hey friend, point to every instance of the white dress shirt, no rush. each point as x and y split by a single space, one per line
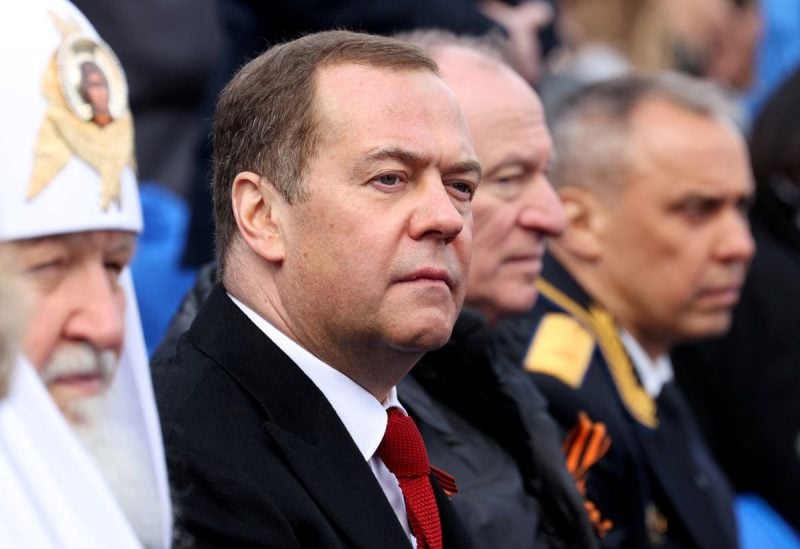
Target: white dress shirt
653 374
363 415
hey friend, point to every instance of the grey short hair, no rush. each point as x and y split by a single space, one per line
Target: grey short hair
591 127
492 44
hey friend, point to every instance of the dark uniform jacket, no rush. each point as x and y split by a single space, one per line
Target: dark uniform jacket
745 386
484 423
257 456
657 483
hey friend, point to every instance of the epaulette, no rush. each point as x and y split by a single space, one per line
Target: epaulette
561 348
567 355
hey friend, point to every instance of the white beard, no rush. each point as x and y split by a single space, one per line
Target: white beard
118 448
122 458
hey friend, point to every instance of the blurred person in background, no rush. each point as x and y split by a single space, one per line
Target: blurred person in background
655 181
745 385
716 39
69 213
483 421
53 494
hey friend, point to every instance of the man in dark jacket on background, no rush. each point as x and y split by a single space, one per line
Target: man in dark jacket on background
655 181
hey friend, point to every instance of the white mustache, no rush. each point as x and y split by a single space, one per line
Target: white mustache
77 359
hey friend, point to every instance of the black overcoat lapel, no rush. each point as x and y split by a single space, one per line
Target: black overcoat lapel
302 424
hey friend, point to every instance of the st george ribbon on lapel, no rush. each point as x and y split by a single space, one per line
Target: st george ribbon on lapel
403 452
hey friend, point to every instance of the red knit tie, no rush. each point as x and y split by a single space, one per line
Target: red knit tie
404 454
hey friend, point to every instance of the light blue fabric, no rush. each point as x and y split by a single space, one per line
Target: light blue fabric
760 527
160 280
778 51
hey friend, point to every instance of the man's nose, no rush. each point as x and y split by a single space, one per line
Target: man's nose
98 314
737 244
542 210
436 212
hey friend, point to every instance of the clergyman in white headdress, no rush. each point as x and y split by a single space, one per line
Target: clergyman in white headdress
70 215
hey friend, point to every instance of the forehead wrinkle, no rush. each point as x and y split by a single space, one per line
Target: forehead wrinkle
398 154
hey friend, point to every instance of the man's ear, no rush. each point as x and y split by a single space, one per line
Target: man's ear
256 207
586 218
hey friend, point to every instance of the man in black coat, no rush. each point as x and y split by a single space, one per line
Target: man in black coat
343 179
655 179
481 419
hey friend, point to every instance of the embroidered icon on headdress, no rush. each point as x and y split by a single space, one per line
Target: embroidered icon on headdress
87 114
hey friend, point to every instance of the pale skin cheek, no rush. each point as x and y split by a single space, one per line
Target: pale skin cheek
35 342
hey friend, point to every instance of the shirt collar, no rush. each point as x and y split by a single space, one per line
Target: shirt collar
362 414
653 374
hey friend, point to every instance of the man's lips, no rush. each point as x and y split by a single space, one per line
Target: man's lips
727 296
430 274
523 258
86 384
526 263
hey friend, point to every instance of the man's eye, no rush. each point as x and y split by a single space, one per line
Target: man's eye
511 179
464 189
44 266
388 179
114 269
700 209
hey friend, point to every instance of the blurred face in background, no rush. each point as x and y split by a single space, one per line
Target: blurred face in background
76 330
515 209
675 242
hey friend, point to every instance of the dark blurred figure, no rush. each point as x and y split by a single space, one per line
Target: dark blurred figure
745 386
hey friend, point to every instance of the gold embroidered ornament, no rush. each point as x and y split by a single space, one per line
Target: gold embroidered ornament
87 115
600 323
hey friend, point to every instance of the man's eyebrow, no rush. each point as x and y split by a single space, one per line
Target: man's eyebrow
466 166
518 160
412 158
396 153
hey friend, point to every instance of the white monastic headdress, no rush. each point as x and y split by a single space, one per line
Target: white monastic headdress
62 172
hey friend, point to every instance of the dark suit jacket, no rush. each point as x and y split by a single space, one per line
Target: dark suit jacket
484 422
257 456
649 473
